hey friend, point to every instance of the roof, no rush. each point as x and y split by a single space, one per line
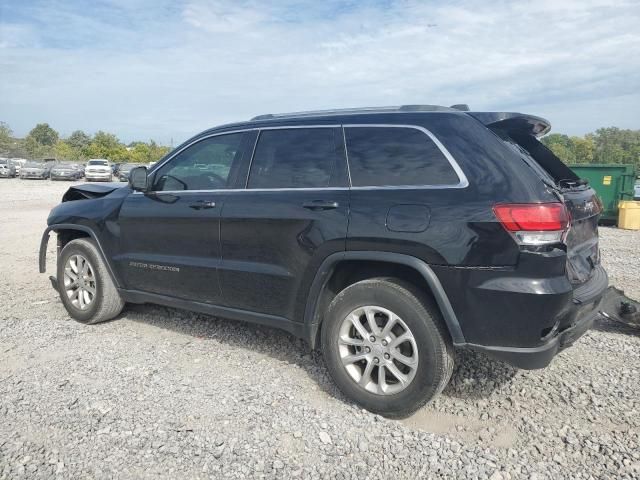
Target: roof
361 110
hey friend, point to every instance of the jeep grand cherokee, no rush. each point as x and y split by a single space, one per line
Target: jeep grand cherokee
386 237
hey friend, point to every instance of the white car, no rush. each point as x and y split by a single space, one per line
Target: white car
636 191
18 163
98 169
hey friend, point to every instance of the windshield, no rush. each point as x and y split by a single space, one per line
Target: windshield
33 164
102 163
128 166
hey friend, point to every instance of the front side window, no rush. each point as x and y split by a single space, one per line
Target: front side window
396 156
294 158
206 165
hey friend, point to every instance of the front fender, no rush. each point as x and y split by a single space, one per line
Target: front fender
42 256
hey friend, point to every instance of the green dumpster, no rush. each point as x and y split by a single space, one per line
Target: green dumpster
612 182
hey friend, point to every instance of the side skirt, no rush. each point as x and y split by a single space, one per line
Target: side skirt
135 296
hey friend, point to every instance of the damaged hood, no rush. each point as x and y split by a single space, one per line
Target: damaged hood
90 190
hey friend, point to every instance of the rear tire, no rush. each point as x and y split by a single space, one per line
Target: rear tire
401 389
84 284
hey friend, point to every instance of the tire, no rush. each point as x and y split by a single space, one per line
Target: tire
106 302
419 314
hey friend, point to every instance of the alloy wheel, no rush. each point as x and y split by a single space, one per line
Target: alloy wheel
378 350
79 282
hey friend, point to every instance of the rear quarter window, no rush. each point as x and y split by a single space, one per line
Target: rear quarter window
396 156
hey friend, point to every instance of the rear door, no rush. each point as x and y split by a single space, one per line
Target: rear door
293 214
170 236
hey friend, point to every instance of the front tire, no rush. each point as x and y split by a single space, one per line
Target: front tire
386 346
84 283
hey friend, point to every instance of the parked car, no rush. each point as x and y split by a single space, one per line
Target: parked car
98 169
66 171
125 168
7 169
386 237
636 191
36 170
18 163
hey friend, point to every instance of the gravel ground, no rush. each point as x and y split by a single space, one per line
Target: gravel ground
166 393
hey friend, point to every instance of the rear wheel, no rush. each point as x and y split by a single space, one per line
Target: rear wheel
386 347
84 284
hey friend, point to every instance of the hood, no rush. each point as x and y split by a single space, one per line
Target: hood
90 190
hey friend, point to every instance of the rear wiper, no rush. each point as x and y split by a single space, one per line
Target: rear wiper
570 184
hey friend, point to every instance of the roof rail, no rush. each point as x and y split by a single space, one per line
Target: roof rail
349 111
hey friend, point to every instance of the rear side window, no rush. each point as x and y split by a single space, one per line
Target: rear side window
395 156
294 158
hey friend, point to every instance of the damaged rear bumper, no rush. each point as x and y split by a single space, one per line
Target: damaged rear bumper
586 307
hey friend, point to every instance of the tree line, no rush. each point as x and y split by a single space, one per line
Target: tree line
45 142
605 145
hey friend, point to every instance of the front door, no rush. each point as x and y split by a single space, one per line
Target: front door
293 214
170 235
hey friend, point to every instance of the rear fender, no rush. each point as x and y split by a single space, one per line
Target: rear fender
311 317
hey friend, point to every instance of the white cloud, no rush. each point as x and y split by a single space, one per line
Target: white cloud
164 73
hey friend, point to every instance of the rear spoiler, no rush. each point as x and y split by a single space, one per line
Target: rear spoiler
514 122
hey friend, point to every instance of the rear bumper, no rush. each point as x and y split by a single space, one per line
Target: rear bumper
539 357
36 176
571 317
63 177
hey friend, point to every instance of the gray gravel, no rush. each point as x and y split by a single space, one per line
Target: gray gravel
171 394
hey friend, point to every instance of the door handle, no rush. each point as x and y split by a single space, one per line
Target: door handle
202 205
320 205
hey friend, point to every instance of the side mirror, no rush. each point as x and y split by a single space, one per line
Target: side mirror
138 179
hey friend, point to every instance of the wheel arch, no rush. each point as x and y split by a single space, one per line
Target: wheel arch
74 231
382 263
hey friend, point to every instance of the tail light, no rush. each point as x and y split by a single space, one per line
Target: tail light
534 223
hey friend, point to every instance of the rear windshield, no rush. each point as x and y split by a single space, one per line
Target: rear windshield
103 163
535 154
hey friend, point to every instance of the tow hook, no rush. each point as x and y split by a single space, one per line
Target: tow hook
617 306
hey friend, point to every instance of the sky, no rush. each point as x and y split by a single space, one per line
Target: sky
167 69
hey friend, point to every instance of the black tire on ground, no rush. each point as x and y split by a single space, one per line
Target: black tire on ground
421 315
107 303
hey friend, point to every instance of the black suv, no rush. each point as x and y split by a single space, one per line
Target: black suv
387 237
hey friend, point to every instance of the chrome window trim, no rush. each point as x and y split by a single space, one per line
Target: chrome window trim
223 190
200 139
462 183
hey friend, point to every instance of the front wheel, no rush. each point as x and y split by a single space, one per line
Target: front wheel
386 347
84 284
